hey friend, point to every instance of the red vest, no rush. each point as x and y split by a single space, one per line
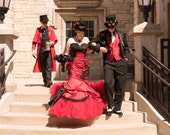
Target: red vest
114 50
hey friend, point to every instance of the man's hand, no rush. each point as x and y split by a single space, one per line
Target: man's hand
93 44
51 43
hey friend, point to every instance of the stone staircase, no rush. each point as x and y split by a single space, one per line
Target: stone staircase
28 115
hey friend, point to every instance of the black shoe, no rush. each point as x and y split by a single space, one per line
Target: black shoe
118 112
109 111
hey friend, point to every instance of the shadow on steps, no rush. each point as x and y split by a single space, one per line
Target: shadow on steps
69 123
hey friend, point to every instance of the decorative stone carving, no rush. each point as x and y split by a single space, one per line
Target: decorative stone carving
78 3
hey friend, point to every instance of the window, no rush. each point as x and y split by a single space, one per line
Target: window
89 29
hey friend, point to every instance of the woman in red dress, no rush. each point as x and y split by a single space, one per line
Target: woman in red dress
77 97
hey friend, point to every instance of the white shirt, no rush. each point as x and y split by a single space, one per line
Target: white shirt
112 37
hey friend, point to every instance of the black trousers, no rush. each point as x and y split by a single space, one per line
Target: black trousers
45 61
115 82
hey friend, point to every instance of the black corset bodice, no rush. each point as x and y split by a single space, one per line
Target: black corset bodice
78 48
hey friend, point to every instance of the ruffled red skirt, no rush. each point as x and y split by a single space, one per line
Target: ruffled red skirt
81 100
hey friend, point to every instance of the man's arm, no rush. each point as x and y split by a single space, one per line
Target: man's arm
99 43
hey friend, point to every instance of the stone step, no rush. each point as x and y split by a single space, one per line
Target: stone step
33 107
109 129
32 97
42 96
45 119
29 107
28 115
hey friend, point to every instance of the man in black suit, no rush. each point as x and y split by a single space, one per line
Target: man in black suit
113 44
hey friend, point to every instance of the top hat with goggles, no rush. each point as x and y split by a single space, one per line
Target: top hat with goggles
43 18
111 21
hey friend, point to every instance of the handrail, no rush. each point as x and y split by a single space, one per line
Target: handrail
163 80
156 60
3 75
156 82
5 63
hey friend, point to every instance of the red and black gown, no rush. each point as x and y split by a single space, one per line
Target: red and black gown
82 99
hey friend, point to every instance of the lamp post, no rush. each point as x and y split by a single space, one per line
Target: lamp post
4 7
145 6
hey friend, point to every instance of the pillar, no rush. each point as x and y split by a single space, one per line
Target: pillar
145 34
7 35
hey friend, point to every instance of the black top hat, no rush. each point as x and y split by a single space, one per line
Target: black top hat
43 18
110 21
79 26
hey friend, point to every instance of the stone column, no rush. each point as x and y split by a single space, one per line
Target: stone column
145 34
7 35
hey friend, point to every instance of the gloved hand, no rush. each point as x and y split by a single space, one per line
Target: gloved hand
34 54
63 59
95 47
59 58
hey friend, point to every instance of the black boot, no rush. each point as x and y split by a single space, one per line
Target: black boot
48 84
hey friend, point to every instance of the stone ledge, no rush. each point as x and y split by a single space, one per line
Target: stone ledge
11 87
146 29
6 32
78 3
152 114
6 100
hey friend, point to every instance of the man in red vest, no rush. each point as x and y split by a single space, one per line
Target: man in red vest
43 50
113 44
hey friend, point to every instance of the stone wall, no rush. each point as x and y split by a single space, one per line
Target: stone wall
25 21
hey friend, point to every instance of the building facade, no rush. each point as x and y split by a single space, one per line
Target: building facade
23 17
